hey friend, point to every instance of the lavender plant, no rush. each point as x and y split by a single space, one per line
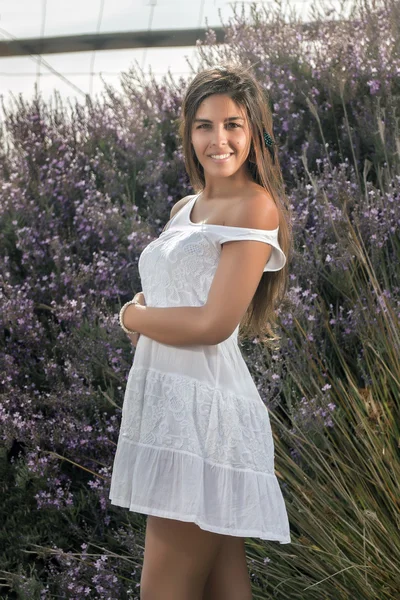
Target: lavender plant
84 188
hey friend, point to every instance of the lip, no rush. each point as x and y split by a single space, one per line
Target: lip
221 160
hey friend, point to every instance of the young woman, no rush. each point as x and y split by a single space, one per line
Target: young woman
195 451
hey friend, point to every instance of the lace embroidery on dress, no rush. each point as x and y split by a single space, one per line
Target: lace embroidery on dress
183 413
169 262
195 439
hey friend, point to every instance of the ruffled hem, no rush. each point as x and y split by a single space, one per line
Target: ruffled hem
178 485
146 510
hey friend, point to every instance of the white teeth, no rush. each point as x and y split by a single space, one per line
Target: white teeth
220 155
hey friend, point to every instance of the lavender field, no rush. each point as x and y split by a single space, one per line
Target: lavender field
84 188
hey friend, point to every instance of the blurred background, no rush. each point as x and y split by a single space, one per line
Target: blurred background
75 74
90 168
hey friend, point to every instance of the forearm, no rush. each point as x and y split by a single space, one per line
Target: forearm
176 326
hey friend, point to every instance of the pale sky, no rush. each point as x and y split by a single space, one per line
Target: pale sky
34 18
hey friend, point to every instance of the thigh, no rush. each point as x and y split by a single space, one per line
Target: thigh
229 577
178 557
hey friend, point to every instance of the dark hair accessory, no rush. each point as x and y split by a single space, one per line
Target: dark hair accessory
268 139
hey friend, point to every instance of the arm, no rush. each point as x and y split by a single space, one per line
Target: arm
236 279
176 326
240 268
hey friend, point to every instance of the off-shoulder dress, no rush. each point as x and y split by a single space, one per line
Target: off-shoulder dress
195 442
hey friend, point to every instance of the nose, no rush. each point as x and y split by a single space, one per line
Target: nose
219 136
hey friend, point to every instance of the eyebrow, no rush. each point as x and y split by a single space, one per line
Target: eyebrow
208 121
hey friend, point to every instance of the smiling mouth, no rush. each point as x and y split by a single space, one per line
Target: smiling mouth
221 159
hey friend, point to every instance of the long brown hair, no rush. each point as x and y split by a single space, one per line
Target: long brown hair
242 87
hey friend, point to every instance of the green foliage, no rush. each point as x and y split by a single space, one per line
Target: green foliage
342 486
335 384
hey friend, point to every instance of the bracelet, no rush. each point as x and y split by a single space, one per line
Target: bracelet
121 315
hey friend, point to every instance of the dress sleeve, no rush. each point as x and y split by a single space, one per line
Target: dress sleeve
277 259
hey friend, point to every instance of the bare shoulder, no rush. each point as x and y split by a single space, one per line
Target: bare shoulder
257 211
176 207
180 204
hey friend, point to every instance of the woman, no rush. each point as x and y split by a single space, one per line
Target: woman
195 451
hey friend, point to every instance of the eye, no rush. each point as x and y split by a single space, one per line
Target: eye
207 124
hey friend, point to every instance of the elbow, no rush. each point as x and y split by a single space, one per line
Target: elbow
212 338
215 331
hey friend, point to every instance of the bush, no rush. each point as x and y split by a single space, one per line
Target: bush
82 193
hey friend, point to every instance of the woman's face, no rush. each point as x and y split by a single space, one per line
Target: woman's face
220 127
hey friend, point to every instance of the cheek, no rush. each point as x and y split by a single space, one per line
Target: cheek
198 139
242 139
242 147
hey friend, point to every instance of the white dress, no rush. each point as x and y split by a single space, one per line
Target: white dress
195 441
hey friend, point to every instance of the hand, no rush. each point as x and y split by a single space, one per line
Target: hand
134 337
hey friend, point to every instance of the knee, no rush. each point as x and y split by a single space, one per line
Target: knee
155 587
149 593
144 593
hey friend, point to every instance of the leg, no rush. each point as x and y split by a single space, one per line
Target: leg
178 558
229 578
